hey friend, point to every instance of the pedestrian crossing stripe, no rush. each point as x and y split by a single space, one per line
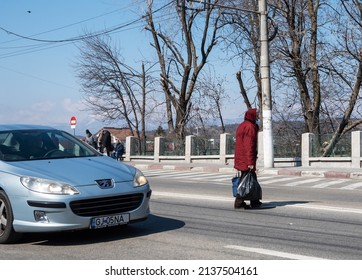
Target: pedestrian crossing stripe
283 181
330 183
273 180
352 186
301 182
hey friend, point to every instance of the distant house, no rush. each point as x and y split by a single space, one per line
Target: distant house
116 133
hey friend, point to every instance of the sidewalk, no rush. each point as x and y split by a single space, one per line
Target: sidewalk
216 167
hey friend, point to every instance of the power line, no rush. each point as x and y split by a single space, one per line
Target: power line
66 26
44 46
39 47
78 38
47 44
83 37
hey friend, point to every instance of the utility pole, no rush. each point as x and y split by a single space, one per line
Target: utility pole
265 79
265 87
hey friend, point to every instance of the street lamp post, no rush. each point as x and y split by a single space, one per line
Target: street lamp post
265 87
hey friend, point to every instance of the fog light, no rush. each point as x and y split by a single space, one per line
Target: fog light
40 216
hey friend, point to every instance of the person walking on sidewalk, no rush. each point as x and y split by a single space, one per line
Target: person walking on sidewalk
245 155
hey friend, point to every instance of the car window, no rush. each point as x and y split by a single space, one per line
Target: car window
41 144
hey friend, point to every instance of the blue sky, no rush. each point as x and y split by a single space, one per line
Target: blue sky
38 82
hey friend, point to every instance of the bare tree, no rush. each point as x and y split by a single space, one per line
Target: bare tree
182 56
242 44
297 55
349 47
243 91
111 89
308 55
315 62
211 93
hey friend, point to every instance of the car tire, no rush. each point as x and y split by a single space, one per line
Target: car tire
7 233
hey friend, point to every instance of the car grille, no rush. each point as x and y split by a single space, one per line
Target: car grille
106 205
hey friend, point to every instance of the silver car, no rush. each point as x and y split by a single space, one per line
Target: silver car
52 181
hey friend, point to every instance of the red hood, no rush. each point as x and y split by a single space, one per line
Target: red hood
250 115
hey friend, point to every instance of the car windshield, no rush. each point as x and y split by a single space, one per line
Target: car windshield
23 145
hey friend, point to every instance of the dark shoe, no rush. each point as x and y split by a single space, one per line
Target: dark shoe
242 205
246 206
239 203
255 204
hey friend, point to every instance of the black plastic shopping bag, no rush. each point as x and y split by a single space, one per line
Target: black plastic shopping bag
249 187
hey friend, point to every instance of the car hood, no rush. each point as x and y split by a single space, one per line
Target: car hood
74 171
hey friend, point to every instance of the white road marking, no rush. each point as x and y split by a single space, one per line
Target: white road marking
301 182
272 253
166 173
352 186
330 208
188 176
192 196
330 183
278 180
231 199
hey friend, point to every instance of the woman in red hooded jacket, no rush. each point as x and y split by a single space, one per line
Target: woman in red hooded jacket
246 150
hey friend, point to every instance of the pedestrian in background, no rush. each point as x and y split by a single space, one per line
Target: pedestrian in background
245 155
89 139
119 150
107 142
100 142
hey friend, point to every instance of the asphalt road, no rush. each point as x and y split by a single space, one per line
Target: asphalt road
193 218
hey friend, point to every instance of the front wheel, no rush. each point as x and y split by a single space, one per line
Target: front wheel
7 233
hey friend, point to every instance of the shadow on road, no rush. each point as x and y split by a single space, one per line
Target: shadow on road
285 203
154 224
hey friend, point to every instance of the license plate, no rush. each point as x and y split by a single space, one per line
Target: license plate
109 221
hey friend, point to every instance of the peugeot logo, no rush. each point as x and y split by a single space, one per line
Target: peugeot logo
105 183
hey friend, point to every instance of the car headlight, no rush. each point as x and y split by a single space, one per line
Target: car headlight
139 179
47 186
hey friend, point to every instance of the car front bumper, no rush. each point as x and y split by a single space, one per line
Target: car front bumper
51 216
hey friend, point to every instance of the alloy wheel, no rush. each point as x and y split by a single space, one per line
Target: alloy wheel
7 233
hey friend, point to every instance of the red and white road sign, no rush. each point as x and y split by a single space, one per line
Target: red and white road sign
73 122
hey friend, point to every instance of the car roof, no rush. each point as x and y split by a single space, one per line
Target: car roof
7 127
